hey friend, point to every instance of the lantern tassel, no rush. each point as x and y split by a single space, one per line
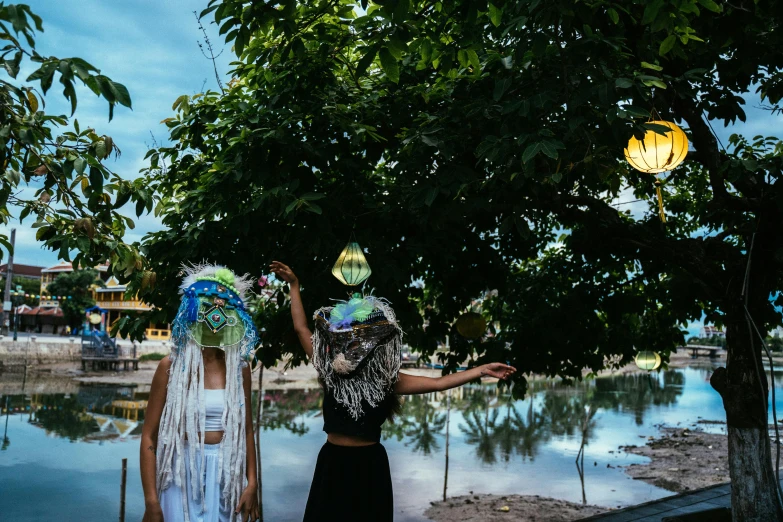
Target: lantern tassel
660 201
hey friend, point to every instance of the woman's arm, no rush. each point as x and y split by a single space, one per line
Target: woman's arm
248 501
297 310
149 441
415 384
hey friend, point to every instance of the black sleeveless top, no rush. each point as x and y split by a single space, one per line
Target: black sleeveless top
337 418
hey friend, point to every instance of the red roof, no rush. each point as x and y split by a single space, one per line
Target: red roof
55 311
22 270
68 267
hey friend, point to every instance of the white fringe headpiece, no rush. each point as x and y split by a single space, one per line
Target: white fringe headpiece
184 415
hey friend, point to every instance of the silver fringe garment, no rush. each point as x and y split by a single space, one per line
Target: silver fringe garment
368 370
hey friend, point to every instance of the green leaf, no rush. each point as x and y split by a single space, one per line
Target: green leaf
313 196
636 112
530 152
548 148
501 86
474 60
667 45
96 179
711 5
432 193
426 51
462 58
623 83
80 164
389 65
652 66
364 63
121 94
495 14
522 226
613 16
651 11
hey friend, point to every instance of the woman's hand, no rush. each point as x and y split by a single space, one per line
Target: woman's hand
498 370
283 272
153 513
248 503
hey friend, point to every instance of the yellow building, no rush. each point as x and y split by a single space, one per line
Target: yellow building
110 297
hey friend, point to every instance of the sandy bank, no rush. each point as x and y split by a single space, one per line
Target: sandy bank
480 508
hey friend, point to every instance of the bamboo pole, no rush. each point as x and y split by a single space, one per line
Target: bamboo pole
259 416
122 489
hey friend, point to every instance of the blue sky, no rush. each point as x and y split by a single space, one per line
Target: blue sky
151 48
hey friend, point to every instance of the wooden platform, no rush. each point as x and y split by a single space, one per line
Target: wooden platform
670 508
106 363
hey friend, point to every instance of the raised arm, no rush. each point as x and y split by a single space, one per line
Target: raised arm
297 310
149 441
416 384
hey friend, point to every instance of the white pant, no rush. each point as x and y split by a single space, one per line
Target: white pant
213 511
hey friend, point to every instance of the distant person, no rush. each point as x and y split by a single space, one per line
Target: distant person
198 458
356 351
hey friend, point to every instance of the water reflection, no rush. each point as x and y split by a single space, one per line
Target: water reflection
473 437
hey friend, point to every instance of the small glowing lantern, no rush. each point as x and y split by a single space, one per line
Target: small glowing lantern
471 325
351 267
95 318
648 360
658 153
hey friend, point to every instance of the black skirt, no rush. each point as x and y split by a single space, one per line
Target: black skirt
351 484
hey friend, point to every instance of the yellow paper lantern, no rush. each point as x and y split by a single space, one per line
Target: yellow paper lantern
648 360
95 318
471 325
351 267
658 153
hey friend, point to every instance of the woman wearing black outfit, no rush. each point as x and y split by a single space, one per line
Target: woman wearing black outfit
357 358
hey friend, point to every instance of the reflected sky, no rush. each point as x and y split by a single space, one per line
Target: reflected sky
62 455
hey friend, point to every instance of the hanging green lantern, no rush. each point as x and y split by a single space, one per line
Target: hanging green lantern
648 360
471 325
351 267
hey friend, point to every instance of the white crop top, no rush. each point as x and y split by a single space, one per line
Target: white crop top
214 410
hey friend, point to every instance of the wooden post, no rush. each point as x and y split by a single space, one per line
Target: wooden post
259 416
122 489
448 418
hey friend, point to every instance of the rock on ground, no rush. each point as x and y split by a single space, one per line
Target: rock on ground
481 508
682 460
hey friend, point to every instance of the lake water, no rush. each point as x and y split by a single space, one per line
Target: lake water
61 453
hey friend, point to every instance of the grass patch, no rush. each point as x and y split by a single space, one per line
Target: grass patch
152 357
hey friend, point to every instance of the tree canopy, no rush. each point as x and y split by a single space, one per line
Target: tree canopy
78 285
476 146
77 198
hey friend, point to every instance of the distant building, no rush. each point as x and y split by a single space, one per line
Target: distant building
48 275
709 331
112 299
23 271
109 296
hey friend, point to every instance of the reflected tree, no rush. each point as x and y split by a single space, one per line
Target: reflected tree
422 425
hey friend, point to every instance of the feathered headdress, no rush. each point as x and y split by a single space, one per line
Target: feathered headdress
356 351
212 314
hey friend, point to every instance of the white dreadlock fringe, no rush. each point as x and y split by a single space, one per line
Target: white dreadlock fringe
184 415
374 381
192 272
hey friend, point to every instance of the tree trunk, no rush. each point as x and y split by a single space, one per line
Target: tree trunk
743 387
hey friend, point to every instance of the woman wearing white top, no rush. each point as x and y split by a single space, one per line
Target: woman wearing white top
198 459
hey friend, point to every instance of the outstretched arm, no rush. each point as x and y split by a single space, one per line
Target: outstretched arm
297 310
415 384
